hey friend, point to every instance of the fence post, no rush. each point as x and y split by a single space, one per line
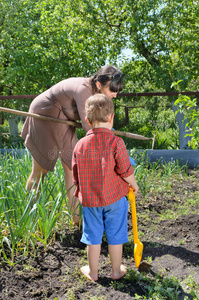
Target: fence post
126 115
13 124
183 130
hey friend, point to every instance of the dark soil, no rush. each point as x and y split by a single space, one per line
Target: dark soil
172 246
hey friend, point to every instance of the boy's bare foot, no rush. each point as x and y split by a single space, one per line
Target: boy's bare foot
86 271
120 274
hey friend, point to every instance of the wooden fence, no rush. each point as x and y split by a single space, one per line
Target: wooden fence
126 108
119 95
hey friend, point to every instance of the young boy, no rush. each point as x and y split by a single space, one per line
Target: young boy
102 173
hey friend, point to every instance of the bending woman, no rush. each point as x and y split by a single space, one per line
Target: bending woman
47 141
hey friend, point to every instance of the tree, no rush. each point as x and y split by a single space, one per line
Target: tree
161 34
45 41
42 42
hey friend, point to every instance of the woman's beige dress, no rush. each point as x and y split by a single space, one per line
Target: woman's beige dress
47 141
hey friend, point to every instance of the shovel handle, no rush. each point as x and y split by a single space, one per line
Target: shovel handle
133 213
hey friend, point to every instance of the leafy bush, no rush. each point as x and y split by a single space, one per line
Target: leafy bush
148 122
6 140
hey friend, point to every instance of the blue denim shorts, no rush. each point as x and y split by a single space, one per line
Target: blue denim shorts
111 218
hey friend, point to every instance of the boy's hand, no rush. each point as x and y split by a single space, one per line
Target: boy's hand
135 189
132 182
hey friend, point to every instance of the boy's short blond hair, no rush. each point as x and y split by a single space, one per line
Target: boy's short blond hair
98 108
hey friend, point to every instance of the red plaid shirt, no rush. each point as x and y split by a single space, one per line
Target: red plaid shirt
100 161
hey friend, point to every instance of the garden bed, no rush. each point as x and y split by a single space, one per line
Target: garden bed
168 223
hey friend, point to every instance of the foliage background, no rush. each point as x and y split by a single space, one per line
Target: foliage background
43 42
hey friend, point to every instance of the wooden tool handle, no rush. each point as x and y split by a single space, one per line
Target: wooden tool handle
73 123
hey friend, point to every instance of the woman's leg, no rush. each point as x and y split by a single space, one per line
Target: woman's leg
37 173
70 188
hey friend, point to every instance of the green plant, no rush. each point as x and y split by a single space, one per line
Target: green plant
17 215
70 295
191 286
47 218
142 178
117 285
25 217
158 288
149 259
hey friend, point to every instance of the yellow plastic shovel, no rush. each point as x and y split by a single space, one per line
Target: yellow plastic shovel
138 246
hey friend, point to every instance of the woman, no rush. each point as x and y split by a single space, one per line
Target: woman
47 141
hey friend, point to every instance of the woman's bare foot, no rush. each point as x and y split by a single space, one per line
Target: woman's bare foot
78 222
86 271
120 274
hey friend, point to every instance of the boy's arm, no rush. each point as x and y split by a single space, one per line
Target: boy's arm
75 174
123 166
131 180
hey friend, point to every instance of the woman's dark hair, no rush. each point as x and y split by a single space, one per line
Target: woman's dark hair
106 78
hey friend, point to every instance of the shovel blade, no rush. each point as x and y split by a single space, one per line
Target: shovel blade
138 250
138 246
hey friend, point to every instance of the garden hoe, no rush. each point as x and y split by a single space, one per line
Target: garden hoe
138 246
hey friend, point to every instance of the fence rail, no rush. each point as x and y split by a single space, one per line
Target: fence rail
119 95
126 108
158 94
